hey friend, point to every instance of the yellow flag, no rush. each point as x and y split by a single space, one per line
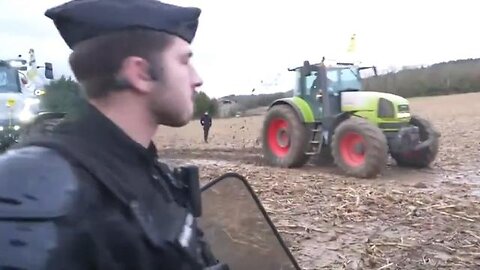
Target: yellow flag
352 46
11 102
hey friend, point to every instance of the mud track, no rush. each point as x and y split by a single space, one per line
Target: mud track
244 156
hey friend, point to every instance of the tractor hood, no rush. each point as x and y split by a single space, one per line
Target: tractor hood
397 100
368 100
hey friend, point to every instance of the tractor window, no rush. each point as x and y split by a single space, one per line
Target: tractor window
342 79
332 77
3 78
9 80
309 80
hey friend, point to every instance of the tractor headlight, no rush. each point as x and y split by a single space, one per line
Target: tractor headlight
39 92
385 108
26 114
403 108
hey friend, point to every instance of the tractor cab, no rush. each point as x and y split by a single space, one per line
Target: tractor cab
320 85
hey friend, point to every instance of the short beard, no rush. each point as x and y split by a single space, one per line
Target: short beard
163 115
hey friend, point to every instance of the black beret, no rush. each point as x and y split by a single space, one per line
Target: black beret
79 20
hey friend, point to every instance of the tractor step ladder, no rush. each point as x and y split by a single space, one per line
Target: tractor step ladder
316 140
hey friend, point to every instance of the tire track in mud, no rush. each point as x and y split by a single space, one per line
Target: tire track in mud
466 176
458 182
244 155
253 156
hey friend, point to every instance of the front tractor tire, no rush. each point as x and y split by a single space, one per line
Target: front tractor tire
424 157
284 138
359 148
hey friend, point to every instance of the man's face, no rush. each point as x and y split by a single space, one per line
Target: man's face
172 97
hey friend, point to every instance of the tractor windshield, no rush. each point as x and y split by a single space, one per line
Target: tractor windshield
9 80
340 79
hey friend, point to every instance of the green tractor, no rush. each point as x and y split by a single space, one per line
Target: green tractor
330 118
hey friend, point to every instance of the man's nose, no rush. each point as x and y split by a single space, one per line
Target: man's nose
197 81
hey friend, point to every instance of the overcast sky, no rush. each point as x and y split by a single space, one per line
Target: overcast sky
240 43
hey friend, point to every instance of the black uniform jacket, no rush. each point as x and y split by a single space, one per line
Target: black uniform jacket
206 121
111 207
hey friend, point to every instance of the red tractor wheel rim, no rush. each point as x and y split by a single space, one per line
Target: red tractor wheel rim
278 137
351 148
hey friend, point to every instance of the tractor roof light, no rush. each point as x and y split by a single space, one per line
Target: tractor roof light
16 63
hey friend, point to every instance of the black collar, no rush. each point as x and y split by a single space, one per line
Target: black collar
99 131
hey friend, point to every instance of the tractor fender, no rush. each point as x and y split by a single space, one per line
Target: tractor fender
300 106
339 118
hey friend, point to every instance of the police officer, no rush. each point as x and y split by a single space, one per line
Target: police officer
92 194
206 122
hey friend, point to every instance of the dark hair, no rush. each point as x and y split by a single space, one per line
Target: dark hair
95 62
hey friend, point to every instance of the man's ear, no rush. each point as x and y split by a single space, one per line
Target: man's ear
136 72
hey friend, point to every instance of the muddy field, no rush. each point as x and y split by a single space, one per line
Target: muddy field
404 219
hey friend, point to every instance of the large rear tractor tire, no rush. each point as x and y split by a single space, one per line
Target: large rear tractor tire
285 138
424 157
359 148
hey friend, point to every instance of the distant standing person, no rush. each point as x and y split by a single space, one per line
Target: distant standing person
206 122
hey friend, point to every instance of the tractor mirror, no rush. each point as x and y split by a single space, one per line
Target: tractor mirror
48 70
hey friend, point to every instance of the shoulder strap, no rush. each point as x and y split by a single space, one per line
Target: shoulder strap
64 146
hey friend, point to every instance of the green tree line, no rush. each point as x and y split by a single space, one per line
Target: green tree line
254 101
65 95
203 103
460 76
